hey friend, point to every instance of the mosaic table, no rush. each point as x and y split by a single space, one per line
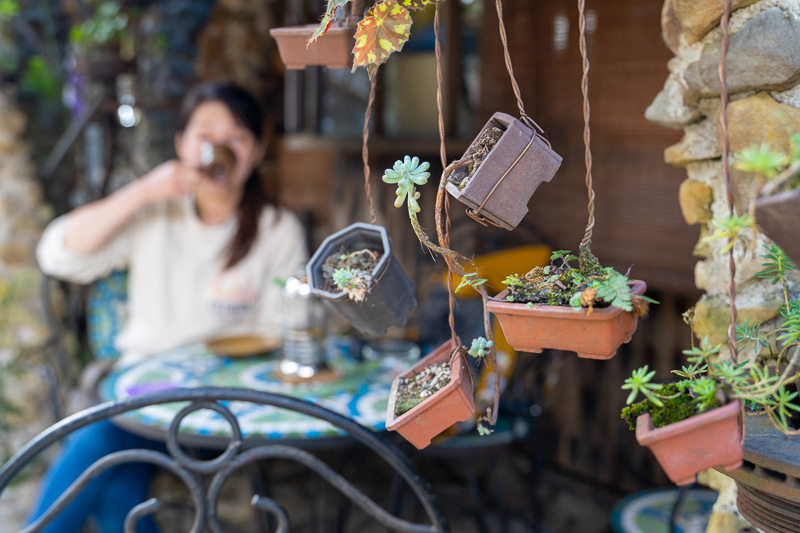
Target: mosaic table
361 393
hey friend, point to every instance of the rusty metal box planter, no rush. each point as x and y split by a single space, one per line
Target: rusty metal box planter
530 160
333 50
698 443
452 403
779 217
594 336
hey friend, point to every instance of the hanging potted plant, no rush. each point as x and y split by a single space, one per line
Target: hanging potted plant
501 170
350 41
694 424
355 272
590 310
298 46
777 208
432 395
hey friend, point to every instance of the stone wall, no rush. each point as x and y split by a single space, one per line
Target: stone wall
763 80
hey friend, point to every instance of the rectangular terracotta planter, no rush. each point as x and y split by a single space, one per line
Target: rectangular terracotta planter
690 446
594 336
779 217
333 50
452 403
508 204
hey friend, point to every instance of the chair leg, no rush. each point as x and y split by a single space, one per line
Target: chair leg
258 481
500 497
396 496
475 494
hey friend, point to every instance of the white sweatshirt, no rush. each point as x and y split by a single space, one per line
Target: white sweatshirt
178 292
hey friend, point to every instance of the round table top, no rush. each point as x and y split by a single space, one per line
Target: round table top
361 393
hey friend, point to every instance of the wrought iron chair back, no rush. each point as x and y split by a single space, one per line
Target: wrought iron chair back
190 470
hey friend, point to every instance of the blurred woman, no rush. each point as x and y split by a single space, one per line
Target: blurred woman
201 255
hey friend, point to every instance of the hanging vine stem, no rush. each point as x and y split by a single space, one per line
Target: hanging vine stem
723 120
586 243
443 231
365 146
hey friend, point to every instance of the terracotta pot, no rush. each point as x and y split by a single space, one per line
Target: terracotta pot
452 403
690 446
594 336
530 166
779 217
333 50
390 299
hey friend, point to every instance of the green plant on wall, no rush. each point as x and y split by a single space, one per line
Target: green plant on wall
707 384
782 170
107 24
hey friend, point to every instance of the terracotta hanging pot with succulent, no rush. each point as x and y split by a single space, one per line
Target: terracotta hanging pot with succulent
432 395
588 309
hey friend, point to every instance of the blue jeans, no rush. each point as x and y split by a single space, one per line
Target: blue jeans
109 497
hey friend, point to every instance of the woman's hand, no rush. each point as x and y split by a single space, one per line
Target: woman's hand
172 179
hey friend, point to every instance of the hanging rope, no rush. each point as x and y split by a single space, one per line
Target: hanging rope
443 232
586 243
723 120
365 148
514 85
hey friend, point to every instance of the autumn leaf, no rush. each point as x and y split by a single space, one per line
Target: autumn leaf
384 29
327 19
416 4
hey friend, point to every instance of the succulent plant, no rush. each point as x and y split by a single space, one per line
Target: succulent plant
406 174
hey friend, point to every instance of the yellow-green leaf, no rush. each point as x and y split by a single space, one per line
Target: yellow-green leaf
384 29
416 4
327 19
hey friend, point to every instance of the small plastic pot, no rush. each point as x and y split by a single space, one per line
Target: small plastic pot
332 50
452 403
690 446
390 299
594 336
524 164
779 217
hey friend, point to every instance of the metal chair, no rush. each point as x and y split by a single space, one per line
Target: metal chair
240 454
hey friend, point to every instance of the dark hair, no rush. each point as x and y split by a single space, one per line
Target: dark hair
248 113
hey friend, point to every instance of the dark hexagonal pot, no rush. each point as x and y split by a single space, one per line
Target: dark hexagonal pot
390 299
508 204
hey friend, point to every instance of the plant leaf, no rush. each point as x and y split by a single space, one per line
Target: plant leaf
327 19
384 30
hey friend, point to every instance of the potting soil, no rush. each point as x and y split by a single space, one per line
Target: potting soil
478 151
414 390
